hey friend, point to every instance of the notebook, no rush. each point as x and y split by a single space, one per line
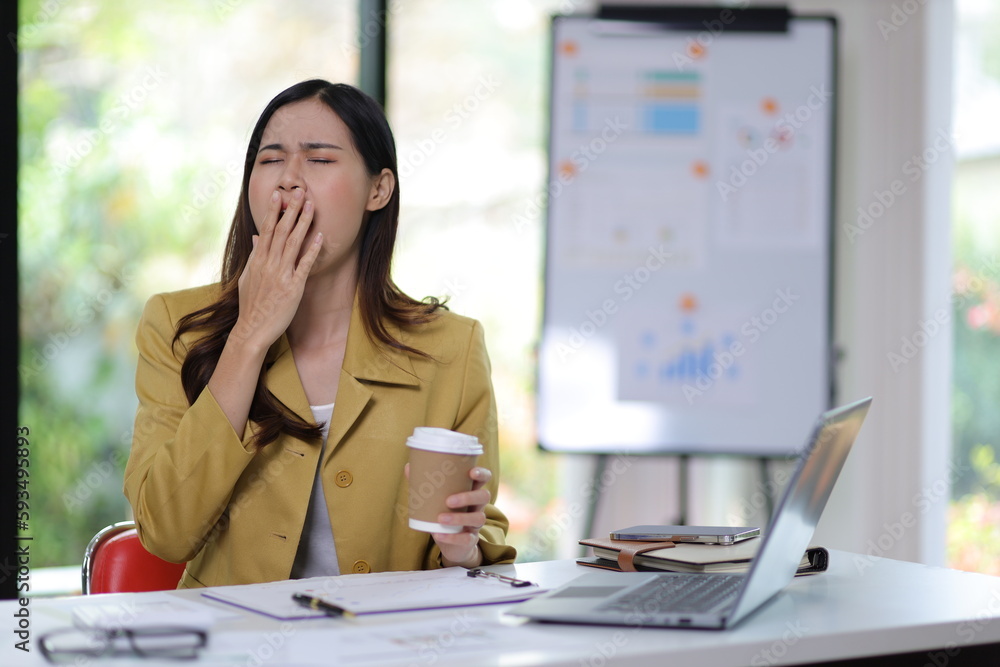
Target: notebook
717 601
693 557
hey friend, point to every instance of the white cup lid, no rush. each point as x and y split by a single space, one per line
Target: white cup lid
435 439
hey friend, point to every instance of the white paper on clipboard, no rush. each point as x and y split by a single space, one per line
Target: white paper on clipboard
381 592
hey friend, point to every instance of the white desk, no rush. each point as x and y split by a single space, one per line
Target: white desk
860 607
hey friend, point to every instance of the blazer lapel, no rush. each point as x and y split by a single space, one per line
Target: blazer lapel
283 379
364 360
364 363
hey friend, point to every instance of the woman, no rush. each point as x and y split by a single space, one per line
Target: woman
274 406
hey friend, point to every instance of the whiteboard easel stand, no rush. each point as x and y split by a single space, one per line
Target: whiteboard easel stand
683 483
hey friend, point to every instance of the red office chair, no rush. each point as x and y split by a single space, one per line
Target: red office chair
116 562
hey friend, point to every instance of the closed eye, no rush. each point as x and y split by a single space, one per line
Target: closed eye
321 160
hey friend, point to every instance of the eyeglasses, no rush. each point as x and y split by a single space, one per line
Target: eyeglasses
173 643
516 583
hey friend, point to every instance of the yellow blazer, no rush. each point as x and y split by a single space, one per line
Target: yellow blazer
200 494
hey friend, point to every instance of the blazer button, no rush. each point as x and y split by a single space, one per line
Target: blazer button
343 479
361 567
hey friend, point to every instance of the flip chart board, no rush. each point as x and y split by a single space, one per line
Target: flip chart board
688 238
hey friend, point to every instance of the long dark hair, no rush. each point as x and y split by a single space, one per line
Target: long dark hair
379 299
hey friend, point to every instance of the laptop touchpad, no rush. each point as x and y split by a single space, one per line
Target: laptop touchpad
588 592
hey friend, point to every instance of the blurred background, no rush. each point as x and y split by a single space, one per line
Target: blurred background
134 121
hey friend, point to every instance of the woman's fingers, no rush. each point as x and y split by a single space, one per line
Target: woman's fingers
285 225
480 477
266 227
467 507
297 232
305 264
281 238
272 282
462 548
473 500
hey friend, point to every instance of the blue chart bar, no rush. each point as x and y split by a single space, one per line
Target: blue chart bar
671 118
692 363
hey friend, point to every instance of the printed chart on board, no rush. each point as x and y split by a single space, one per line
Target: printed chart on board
688 241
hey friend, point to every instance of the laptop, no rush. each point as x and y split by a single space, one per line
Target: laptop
717 601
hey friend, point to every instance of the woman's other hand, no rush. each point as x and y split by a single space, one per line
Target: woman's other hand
462 548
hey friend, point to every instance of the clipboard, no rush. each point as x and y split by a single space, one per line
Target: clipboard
378 593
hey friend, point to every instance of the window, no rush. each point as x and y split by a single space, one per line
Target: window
134 119
974 530
467 97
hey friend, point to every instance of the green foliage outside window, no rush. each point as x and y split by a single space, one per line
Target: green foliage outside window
974 525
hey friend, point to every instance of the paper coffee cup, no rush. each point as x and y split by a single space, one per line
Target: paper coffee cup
440 461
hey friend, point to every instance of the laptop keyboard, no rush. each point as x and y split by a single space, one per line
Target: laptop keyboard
682 593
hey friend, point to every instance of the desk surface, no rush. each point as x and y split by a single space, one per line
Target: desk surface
861 607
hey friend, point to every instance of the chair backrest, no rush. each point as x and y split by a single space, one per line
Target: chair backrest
116 562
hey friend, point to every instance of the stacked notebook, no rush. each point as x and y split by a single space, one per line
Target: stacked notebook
628 555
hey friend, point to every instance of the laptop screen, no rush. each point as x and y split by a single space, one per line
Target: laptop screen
797 514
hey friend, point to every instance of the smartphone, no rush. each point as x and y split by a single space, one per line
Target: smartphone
699 534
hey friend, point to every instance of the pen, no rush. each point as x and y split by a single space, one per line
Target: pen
321 605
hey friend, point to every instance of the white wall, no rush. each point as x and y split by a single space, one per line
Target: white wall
892 498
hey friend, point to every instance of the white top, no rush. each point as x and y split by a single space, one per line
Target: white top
317 554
